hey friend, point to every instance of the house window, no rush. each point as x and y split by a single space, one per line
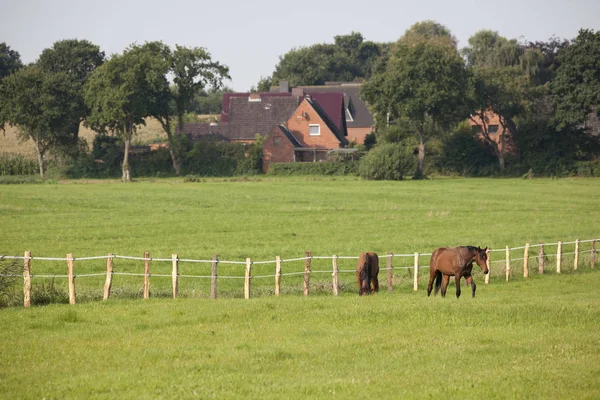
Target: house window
277 140
493 129
314 130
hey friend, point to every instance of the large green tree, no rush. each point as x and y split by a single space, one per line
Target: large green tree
426 82
125 90
77 59
38 103
577 83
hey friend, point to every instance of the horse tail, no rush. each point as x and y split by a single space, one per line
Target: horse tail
366 272
438 280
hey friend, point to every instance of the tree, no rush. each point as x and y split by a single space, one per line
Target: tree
10 60
577 83
427 83
489 49
123 91
349 58
77 59
38 104
429 30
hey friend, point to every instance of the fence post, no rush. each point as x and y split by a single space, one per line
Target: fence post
146 275
558 257
526 261
507 263
593 254
576 262
416 273
277 276
247 278
541 257
213 277
390 273
335 275
307 272
109 276
175 275
71 275
488 264
27 280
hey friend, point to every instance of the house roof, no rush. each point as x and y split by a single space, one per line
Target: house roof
328 121
290 136
265 96
248 118
205 130
361 117
333 105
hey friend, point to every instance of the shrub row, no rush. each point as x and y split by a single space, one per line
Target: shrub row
16 164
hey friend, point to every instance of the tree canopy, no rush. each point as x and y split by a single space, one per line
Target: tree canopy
10 60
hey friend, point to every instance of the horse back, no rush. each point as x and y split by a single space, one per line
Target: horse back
445 259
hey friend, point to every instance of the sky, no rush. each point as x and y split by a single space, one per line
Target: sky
249 36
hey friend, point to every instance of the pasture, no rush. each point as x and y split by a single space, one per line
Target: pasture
529 338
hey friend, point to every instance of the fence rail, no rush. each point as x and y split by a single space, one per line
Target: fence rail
541 257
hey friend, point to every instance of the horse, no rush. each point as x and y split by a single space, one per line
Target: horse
458 262
367 269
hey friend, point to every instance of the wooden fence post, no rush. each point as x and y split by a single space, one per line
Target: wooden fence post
27 280
576 262
109 276
416 273
175 275
335 275
390 272
213 277
593 254
71 275
541 258
558 257
488 264
526 261
507 263
146 275
307 272
277 276
247 279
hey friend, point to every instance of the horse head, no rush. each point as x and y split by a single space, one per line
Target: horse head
481 259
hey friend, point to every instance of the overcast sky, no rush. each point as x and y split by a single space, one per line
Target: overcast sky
250 35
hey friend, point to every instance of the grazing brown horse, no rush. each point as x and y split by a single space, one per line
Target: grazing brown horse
455 261
367 269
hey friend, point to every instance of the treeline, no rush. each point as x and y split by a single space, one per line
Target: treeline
432 103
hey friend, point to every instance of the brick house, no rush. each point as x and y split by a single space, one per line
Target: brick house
310 133
496 131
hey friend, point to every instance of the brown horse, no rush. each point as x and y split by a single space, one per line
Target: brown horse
367 269
455 261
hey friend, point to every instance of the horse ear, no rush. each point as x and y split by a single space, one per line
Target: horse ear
485 248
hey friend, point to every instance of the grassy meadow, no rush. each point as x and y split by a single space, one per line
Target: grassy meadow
529 338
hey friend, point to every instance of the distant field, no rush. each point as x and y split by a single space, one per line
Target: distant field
535 339
266 217
152 132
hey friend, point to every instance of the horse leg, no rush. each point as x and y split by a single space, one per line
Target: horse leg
445 280
359 283
457 279
375 284
469 280
432 274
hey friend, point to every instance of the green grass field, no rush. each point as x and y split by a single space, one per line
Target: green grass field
528 338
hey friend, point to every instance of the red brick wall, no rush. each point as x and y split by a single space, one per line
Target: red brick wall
299 123
277 148
357 135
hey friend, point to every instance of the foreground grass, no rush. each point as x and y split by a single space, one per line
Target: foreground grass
266 217
530 339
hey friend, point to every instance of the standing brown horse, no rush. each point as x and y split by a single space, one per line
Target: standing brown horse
367 269
457 262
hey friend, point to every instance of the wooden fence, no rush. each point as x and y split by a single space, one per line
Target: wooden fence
248 264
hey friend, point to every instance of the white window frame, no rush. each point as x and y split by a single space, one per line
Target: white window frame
318 129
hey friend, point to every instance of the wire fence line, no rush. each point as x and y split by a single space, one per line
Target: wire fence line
248 264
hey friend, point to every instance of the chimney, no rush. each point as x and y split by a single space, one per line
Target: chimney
297 92
284 86
254 97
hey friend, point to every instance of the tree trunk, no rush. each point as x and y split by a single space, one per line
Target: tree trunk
40 157
172 145
420 174
128 131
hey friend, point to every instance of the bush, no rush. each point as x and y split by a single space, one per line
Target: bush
466 154
391 161
213 158
337 168
16 164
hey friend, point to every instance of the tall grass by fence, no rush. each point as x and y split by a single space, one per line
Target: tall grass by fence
500 265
